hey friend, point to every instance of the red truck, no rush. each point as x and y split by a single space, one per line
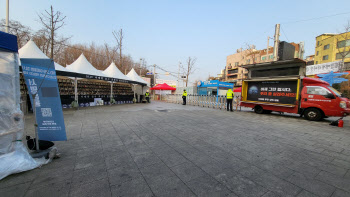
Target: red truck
310 97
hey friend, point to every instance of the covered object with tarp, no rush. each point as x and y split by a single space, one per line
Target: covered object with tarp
14 156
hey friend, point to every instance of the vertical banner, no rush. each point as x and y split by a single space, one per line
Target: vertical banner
40 77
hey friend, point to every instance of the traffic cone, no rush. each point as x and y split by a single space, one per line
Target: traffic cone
340 123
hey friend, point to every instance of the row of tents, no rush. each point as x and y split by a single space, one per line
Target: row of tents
82 68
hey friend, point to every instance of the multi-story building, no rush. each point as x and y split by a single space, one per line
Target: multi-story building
235 73
332 47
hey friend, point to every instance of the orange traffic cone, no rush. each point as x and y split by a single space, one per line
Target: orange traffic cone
340 123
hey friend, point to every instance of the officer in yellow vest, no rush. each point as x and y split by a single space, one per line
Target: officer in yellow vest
184 95
147 96
229 98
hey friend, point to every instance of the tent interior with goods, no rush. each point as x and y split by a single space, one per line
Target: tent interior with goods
139 89
163 89
14 156
82 82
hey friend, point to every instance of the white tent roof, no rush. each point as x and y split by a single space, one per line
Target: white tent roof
31 50
82 65
114 72
133 76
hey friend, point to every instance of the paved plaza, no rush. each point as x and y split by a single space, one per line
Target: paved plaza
163 149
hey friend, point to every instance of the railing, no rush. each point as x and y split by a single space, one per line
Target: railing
216 102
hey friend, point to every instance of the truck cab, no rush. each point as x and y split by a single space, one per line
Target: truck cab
319 100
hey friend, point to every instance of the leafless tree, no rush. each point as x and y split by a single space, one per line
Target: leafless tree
22 32
118 35
252 53
52 21
189 67
343 44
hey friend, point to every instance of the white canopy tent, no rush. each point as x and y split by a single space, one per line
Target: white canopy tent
114 72
82 65
135 77
31 50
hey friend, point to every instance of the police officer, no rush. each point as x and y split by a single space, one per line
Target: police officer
147 96
229 98
184 95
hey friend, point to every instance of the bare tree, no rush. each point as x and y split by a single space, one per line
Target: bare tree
22 32
252 53
343 44
52 21
118 35
189 68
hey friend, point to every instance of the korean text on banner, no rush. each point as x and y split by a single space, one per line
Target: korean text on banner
49 114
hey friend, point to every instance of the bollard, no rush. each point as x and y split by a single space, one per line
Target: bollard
340 122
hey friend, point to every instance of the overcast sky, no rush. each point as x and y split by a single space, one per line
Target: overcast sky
166 32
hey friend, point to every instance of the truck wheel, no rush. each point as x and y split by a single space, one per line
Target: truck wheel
258 109
313 114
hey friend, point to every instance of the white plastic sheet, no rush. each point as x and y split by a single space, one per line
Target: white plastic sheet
14 156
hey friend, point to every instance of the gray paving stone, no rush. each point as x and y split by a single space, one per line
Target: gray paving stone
146 159
243 186
89 174
169 186
97 188
339 182
60 189
17 190
305 193
187 171
252 151
208 186
136 187
340 193
316 187
120 175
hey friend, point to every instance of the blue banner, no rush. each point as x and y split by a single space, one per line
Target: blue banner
40 77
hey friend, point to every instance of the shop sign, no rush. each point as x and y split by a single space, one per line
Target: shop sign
324 68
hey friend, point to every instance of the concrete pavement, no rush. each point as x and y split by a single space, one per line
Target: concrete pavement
163 149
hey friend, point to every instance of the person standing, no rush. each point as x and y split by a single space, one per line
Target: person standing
147 96
184 95
229 98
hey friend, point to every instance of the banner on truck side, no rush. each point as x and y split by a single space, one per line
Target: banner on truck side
324 68
283 92
48 106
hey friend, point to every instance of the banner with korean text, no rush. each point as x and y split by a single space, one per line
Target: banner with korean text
40 77
283 92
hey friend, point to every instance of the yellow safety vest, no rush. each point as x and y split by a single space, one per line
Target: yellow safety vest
184 94
147 94
229 94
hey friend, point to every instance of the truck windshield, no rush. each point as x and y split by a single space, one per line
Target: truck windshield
335 91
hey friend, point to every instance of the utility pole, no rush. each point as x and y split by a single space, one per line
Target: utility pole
276 43
140 66
7 15
267 49
154 80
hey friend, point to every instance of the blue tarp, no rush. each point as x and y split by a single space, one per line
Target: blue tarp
8 42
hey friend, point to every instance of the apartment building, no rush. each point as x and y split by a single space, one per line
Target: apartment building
332 47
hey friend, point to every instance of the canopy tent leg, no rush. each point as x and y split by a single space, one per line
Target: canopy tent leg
76 92
111 98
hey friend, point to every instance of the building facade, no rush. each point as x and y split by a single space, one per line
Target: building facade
234 71
332 47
